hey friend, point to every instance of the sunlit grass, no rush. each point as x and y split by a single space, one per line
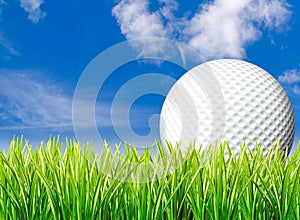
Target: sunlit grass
51 183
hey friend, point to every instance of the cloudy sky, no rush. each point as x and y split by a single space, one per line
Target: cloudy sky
46 45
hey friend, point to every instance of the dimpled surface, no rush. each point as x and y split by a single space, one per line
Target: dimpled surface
256 107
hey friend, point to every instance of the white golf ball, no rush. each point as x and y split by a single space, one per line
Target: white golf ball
229 100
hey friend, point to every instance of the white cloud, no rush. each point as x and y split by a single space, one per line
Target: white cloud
136 21
32 8
224 28
296 90
219 29
272 13
168 7
290 77
28 100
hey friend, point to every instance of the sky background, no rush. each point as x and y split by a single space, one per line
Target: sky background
45 46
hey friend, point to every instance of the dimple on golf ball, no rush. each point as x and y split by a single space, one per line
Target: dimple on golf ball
229 100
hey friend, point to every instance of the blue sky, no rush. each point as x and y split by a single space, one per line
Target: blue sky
46 45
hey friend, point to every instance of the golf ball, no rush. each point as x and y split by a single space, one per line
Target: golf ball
230 100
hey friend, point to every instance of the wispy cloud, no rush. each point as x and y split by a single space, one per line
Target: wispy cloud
2 3
290 77
28 100
220 28
8 46
4 43
296 90
32 8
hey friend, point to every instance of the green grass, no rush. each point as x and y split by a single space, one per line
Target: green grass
48 183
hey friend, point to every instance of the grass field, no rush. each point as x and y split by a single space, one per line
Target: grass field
52 183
